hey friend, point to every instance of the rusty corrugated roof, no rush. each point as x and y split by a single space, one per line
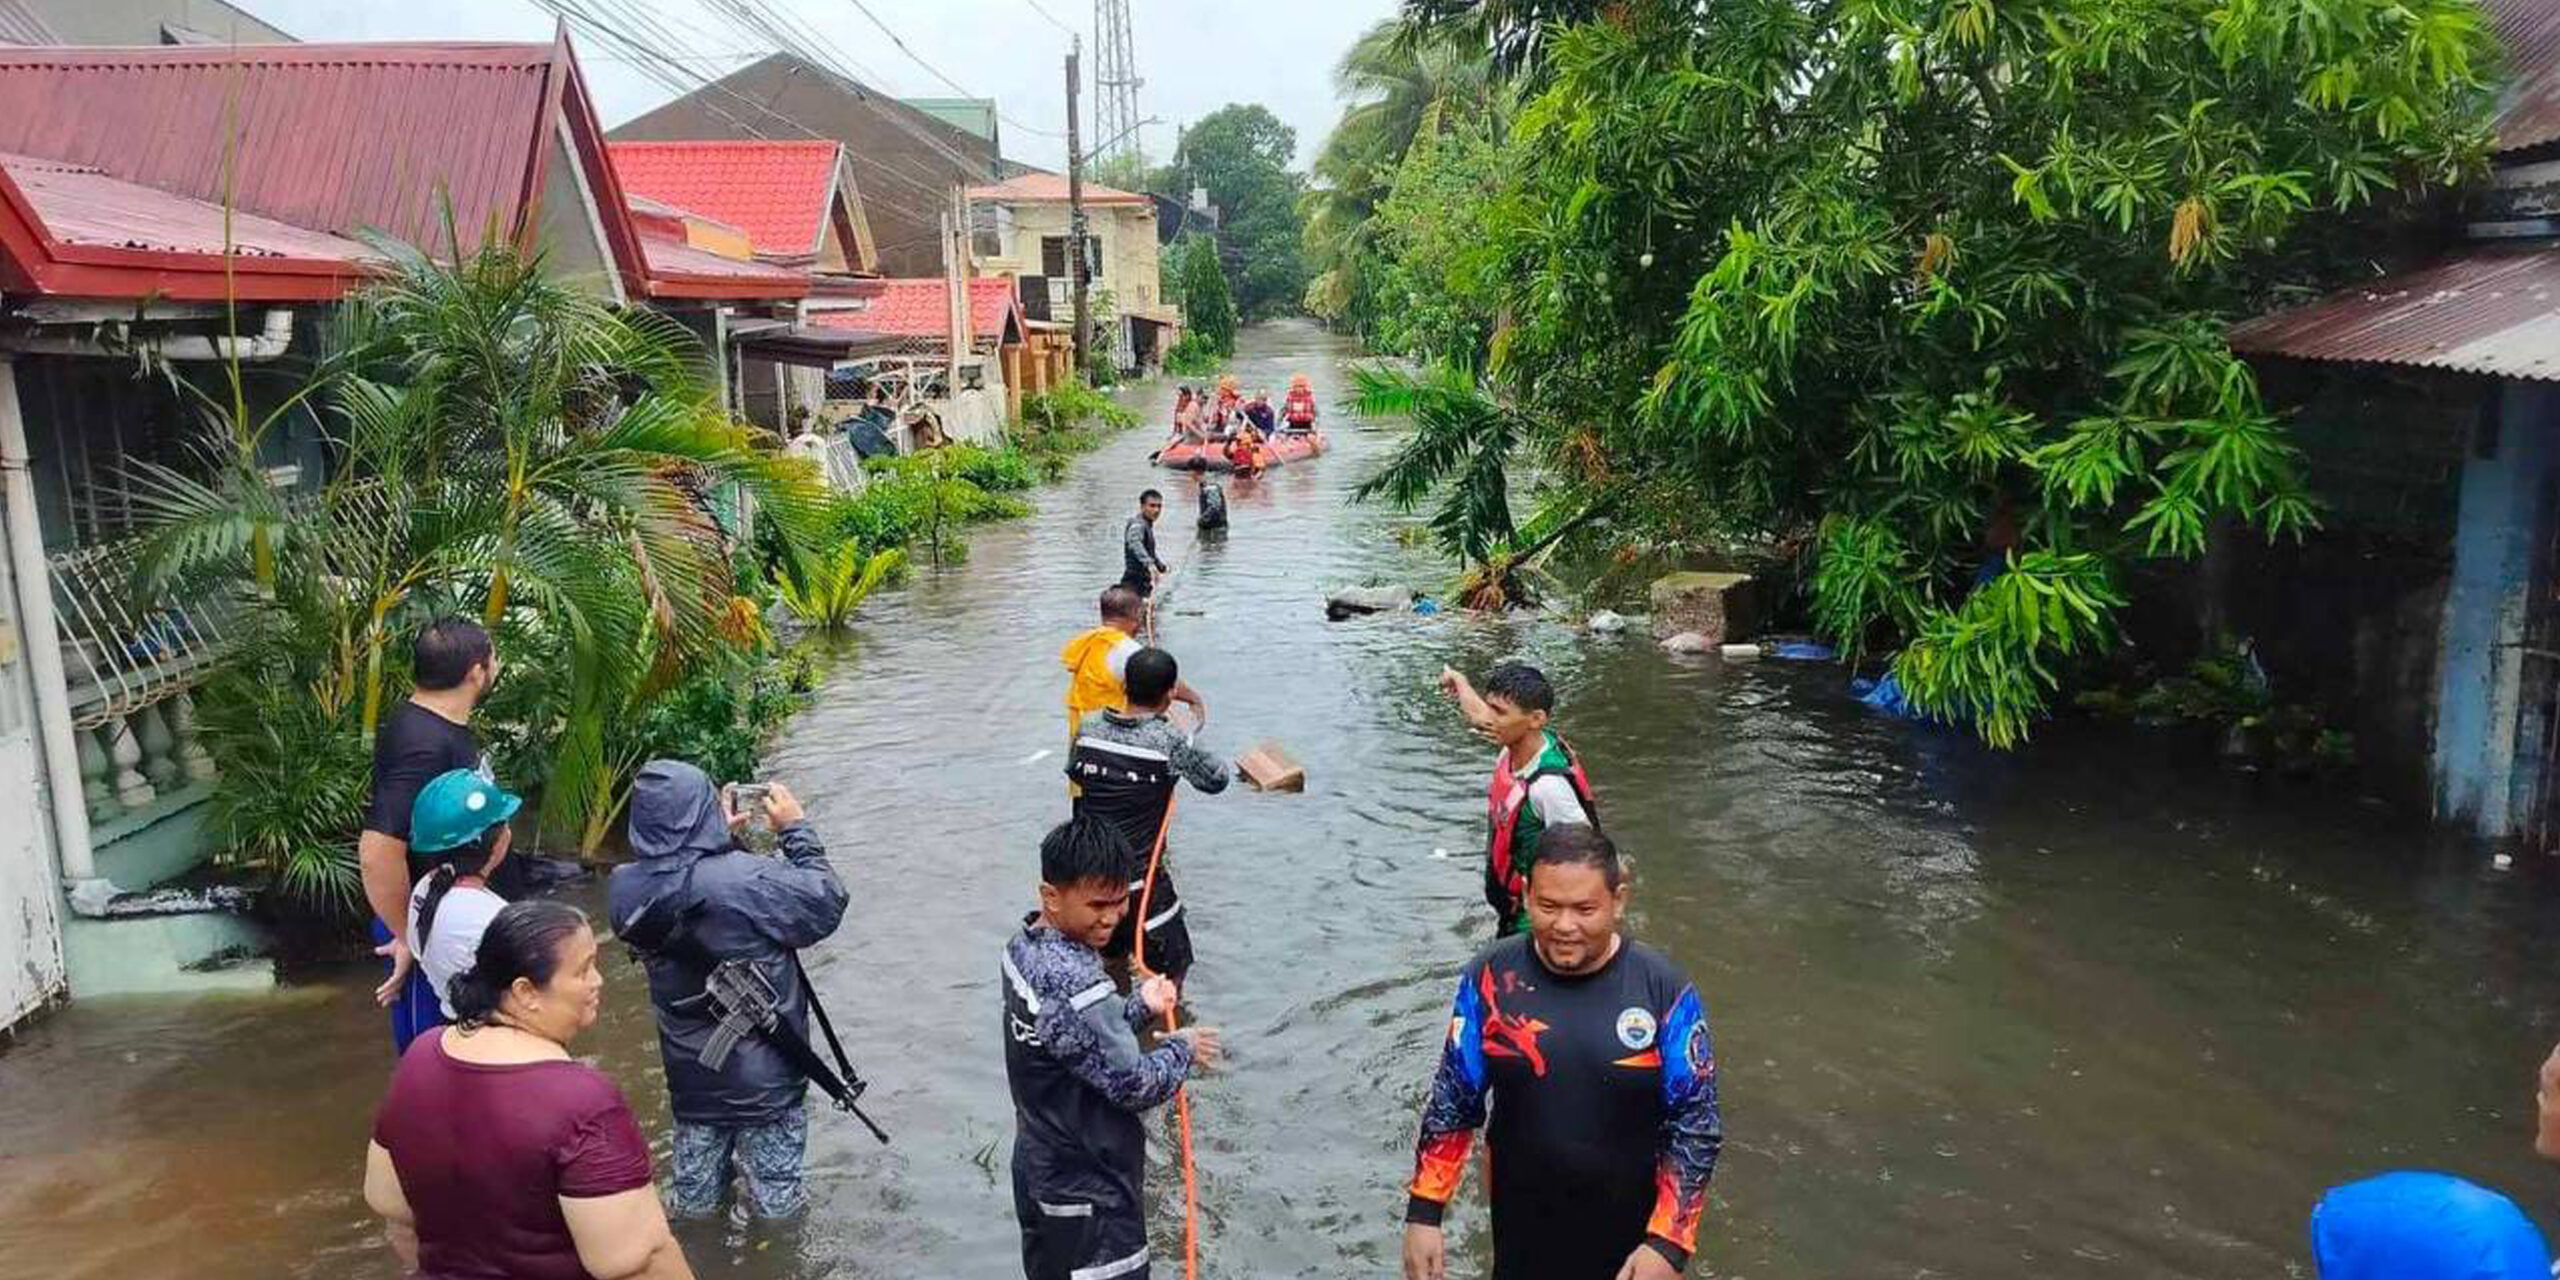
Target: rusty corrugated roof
2529 105
2491 309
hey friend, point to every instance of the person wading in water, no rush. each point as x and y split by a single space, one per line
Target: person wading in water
1097 662
1140 567
453 664
1538 781
1591 1053
1071 1058
1124 768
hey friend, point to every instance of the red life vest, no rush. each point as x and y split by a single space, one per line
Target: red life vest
1503 800
1299 409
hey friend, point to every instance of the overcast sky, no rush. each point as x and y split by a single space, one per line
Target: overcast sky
1195 55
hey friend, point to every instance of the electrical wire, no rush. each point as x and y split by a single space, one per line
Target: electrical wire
956 86
1043 11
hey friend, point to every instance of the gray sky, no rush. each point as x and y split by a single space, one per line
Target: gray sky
1196 55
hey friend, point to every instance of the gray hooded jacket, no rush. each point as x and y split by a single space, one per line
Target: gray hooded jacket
744 905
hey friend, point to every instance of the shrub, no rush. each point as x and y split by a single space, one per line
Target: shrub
1196 356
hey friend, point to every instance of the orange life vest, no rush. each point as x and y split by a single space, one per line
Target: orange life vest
1090 685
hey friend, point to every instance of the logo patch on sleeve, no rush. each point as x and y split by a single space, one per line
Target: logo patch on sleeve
1636 1027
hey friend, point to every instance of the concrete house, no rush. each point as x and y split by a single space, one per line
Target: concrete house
203 203
1021 232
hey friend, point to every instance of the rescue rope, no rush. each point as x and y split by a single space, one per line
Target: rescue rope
1181 1094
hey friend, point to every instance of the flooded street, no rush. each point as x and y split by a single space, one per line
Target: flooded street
2090 1011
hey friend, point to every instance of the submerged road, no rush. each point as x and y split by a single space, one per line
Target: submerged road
2091 1011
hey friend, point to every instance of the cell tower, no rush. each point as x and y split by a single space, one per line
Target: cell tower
1115 83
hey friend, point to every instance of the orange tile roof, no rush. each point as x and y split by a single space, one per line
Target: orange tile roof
921 309
1050 188
776 192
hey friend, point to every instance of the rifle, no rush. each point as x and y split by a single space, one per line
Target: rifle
745 1003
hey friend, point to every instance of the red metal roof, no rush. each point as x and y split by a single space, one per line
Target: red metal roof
2529 106
2489 309
339 138
776 192
1050 188
69 230
922 309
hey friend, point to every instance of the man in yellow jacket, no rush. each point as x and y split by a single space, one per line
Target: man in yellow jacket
1097 661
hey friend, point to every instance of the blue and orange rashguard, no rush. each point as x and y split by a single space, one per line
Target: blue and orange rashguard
1604 1130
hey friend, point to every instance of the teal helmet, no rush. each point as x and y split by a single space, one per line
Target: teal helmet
454 808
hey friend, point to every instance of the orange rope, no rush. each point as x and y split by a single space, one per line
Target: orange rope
1182 1095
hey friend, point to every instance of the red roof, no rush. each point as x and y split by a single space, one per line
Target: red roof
80 221
776 192
2492 310
1049 188
2529 101
339 138
922 309
320 140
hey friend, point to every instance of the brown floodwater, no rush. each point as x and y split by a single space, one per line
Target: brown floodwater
2091 1010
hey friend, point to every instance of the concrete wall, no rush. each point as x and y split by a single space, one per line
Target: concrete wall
2350 620
1129 250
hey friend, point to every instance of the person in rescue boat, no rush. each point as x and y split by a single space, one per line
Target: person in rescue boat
1585 1057
1538 781
1097 662
1298 410
1071 1059
1124 767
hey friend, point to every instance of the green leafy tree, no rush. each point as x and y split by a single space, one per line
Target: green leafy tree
1400 84
1937 288
1240 155
1208 310
513 449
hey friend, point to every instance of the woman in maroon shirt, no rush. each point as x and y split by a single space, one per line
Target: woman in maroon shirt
495 1157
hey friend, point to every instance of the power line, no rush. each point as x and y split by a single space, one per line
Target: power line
1043 11
956 86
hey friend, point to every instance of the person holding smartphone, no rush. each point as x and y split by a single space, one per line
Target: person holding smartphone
721 920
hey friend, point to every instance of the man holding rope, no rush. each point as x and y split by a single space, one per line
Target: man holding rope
1125 765
1071 1058
1140 567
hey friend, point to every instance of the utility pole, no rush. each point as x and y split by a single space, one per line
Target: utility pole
1075 213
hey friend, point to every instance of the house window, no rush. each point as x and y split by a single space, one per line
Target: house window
990 230
1053 257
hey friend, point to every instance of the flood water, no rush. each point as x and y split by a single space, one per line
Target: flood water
2093 1010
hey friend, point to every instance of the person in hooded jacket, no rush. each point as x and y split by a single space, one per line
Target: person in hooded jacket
750 1116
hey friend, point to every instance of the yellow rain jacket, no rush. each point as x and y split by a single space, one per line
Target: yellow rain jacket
1091 686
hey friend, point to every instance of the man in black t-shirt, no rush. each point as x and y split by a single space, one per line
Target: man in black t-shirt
454 664
1585 1057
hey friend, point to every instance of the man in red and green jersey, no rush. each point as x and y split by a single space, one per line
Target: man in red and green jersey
1537 780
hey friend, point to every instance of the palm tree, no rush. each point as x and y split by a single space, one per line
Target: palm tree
1400 81
521 450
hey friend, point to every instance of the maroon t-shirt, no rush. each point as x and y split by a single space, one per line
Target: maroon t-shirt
485 1152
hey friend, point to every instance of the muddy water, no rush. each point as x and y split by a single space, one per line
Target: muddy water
2089 1012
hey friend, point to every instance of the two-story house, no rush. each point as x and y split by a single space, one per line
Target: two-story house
1020 231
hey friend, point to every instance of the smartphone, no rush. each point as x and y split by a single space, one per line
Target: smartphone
751 797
